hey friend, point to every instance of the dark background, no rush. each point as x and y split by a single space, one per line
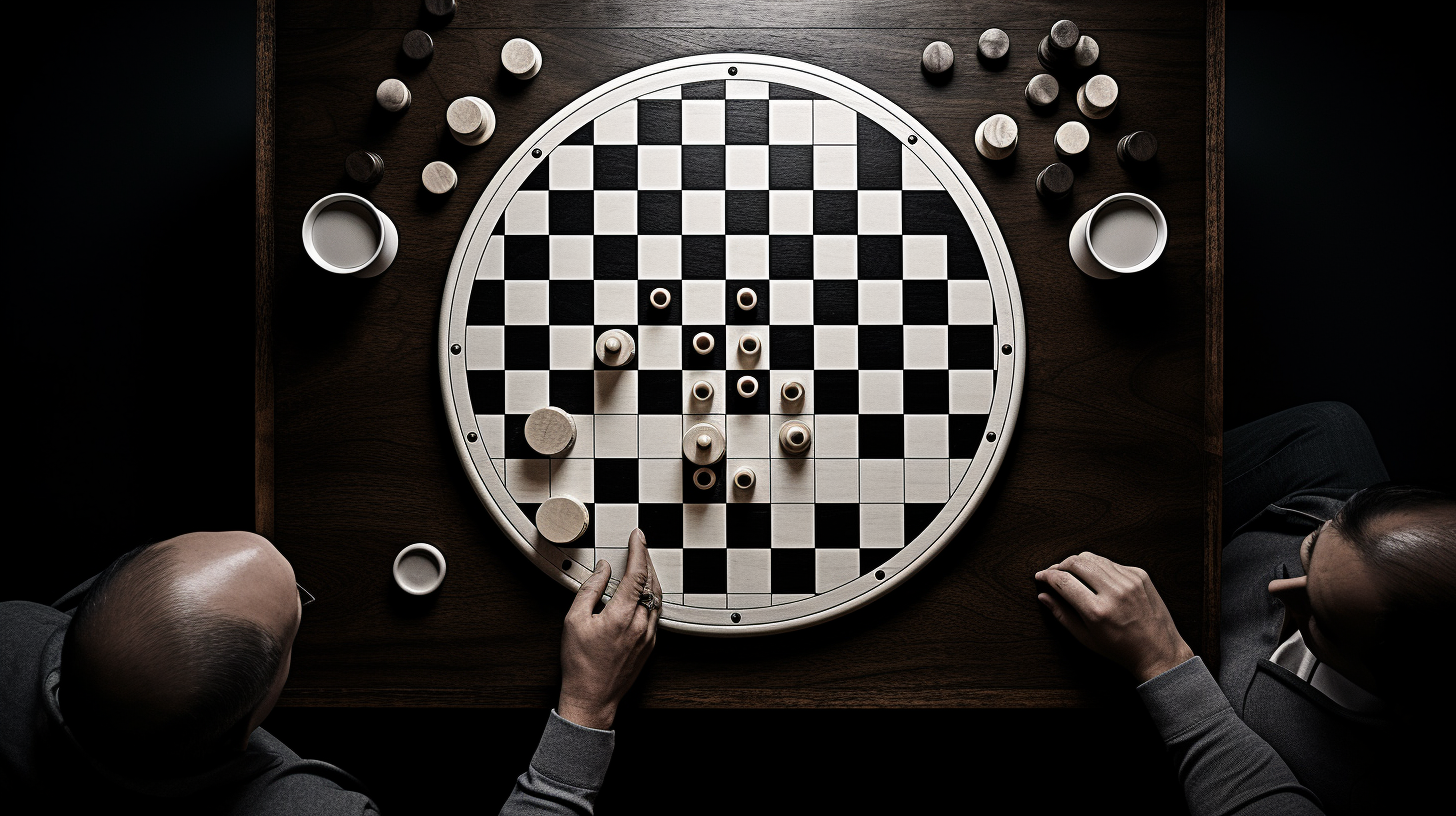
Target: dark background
129 314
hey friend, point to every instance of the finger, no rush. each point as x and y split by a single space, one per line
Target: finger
656 590
1067 617
1070 589
591 589
1090 569
634 578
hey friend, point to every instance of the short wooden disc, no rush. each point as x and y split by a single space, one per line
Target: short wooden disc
994 44
562 519
1042 90
791 430
1064 35
1100 92
364 167
440 8
418 45
1072 139
1086 53
1140 146
1054 182
518 56
707 454
996 137
937 58
550 430
439 177
464 116
392 95
626 348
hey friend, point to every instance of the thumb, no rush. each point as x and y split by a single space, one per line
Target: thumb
591 589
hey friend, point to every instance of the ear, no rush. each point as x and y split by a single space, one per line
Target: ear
1292 592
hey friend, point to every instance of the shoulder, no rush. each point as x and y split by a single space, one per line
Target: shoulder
294 785
25 628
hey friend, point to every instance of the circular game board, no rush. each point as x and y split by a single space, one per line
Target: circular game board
882 285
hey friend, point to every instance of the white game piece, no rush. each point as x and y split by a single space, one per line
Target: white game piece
1086 53
996 137
747 386
793 391
615 348
994 44
750 344
471 120
521 57
747 299
794 437
562 519
703 343
550 430
419 569
1072 139
937 58
704 444
702 391
439 177
660 298
393 96
743 478
704 478
1098 97
1042 90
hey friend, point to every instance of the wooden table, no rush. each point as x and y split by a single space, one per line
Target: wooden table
1117 448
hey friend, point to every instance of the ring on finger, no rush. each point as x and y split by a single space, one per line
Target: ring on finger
649 600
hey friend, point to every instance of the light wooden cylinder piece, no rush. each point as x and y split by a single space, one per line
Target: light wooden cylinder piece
1064 35
746 299
393 96
750 344
1072 139
996 137
521 57
615 348
550 430
471 120
703 343
747 387
994 44
743 478
702 391
439 177
1086 53
1098 97
660 298
937 58
1042 90
704 444
562 519
792 392
795 437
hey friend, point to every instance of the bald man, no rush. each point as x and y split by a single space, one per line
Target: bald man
144 688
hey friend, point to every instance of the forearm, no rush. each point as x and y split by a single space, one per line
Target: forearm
566 773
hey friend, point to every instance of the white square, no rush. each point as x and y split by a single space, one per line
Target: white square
659 436
834 568
837 480
493 262
526 214
570 168
836 347
971 303
879 212
572 347
747 256
927 436
616 557
924 257
791 302
492 429
703 302
881 392
615 522
614 303
485 348
716 404
614 212
574 478
776 402
528 480
970 391
617 126
834 123
879 303
791 526
881 480
659 167
914 175
746 167
702 121
616 436
705 526
527 390
659 257
660 347
668 566
614 392
706 601
528 302
702 212
571 257
958 470
738 359
748 570
882 526
836 257
836 436
835 167
659 481
790 121
584 447
793 481
776 423
791 212
746 89
927 480
762 476
748 436
927 347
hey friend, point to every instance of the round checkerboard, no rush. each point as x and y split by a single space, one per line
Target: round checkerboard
882 285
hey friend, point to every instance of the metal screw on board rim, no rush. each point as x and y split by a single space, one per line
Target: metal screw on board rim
471 436
455 349
914 138
566 565
735 617
1006 349
536 153
880 575
732 72
990 436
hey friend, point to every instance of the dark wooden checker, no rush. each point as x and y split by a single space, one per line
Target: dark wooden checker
1116 447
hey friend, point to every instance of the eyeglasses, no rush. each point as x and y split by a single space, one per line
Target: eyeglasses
304 596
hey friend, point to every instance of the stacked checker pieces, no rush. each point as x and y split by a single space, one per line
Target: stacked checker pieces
872 290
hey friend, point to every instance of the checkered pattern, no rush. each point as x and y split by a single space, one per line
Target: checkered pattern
871 292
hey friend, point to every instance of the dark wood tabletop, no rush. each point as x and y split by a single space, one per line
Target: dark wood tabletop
1116 450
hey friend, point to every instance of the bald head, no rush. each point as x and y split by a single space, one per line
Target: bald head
180 649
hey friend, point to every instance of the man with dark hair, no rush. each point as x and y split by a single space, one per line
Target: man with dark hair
1337 596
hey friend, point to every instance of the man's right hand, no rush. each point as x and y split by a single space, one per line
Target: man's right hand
602 654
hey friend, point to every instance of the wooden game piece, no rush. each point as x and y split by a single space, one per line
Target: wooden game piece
794 437
440 8
615 348
704 444
996 137
993 44
704 478
747 299
521 58
702 391
562 519
393 96
703 343
1072 139
750 344
743 478
1086 54
471 120
659 298
792 392
364 167
1064 36
747 386
1055 182
937 58
1042 90
418 46
550 430
1137 147
439 177
1098 97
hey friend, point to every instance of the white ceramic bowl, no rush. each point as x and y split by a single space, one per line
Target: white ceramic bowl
1085 255
384 252
429 552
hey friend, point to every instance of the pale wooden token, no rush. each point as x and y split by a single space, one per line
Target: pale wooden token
937 58
750 344
1098 97
747 387
660 298
996 137
1072 139
439 177
743 478
1086 54
792 391
615 348
993 44
747 299
702 391
795 437
393 96
704 478
703 343
471 120
1064 35
1042 90
550 430
704 444
521 58
562 519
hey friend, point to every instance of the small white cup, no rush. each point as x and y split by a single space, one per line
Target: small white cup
1135 234
347 235
419 569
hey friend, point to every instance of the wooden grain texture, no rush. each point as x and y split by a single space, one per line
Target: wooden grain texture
1213 329
263 266
1111 452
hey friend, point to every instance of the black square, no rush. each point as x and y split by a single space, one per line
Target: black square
881 347
615 481
963 257
539 179
650 315
791 167
528 348
704 167
571 302
791 570
662 524
527 257
836 302
570 212
500 226
739 404
659 392
925 302
967 432
659 212
746 121
712 89
487 391
487 303
746 212
750 526
659 121
791 257
758 315
918 517
836 525
881 257
836 392
597 363
836 212
972 346
614 167
793 347
692 494
704 257
878 156
927 391
930 212
614 257
515 438
715 360
582 136
573 392
872 558
705 571
882 436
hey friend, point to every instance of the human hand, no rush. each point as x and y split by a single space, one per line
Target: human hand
602 654
1116 612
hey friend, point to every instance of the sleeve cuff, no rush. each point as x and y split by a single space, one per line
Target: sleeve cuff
574 754
1182 697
